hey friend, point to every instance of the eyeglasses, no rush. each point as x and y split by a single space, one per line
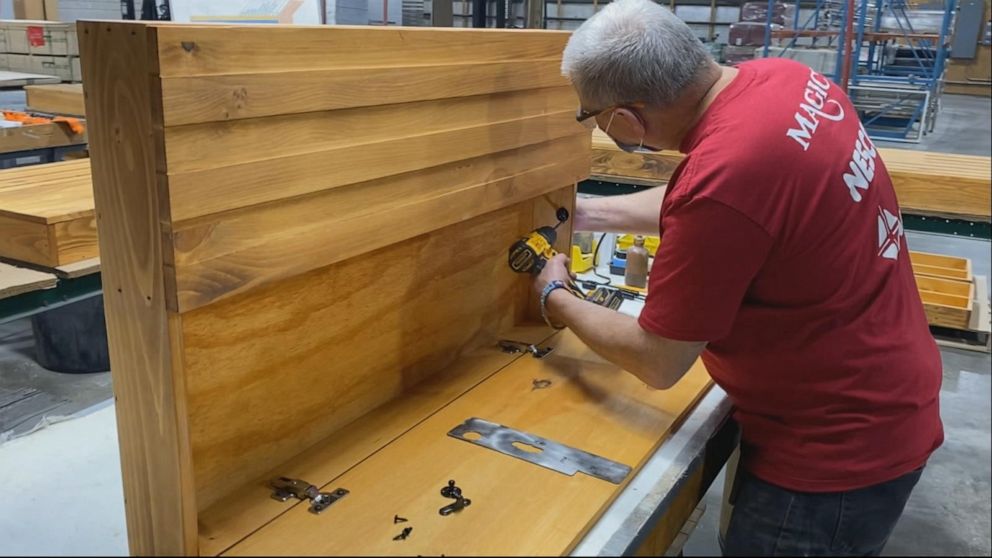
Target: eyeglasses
585 117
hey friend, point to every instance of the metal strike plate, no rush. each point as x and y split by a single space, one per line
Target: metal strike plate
539 451
284 488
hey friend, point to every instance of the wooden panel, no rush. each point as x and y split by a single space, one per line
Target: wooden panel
317 351
219 144
236 516
236 252
145 343
26 241
195 50
517 508
188 100
926 183
945 286
944 312
66 98
252 182
79 269
18 280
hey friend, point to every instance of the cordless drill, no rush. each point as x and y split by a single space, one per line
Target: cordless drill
529 253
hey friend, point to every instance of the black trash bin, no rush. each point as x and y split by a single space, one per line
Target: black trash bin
72 338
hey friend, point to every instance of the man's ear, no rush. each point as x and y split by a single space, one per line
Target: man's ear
630 121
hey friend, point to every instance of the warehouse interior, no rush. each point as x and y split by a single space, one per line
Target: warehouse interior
255 300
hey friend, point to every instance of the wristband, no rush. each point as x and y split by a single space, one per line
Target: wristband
548 289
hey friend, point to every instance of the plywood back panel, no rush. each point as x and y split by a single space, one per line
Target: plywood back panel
330 217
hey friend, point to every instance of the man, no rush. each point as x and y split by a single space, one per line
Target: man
782 263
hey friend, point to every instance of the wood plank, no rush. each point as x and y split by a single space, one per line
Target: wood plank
219 144
188 100
75 240
321 349
938 265
250 183
232 253
78 269
65 98
665 531
145 342
16 280
941 183
517 507
187 50
246 509
945 286
26 241
38 136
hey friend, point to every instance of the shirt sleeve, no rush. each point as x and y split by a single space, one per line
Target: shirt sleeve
708 257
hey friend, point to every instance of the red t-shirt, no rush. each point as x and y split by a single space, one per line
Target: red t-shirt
782 246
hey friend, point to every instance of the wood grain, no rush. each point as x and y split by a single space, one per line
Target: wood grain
250 183
317 351
232 253
244 510
188 100
939 265
145 342
64 98
38 136
54 201
26 241
517 508
188 50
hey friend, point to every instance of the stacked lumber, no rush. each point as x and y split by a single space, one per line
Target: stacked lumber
926 183
305 262
65 98
46 214
946 287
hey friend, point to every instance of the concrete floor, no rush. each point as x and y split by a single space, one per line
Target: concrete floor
949 514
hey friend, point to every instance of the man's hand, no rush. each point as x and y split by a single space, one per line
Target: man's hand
557 268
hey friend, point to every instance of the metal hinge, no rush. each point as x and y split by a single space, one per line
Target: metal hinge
508 346
284 488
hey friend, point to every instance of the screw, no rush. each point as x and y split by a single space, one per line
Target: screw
404 534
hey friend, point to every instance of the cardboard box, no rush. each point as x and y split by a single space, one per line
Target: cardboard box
52 10
77 71
58 66
4 62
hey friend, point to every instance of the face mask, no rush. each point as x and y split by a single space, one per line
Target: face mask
627 147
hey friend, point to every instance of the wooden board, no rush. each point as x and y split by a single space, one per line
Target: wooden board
926 183
38 136
939 265
516 506
46 214
304 257
64 98
79 269
144 340
16 280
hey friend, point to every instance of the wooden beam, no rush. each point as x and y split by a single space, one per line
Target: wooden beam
119 61
64 98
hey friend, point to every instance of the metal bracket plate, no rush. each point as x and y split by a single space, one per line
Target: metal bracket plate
546 453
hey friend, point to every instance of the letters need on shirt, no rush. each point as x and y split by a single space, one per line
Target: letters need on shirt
783 248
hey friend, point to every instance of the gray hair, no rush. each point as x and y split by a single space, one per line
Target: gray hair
633 51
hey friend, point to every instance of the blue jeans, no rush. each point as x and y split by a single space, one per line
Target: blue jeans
771 521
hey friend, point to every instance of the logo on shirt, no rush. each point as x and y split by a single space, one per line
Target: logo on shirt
862 165
889 234
815 105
